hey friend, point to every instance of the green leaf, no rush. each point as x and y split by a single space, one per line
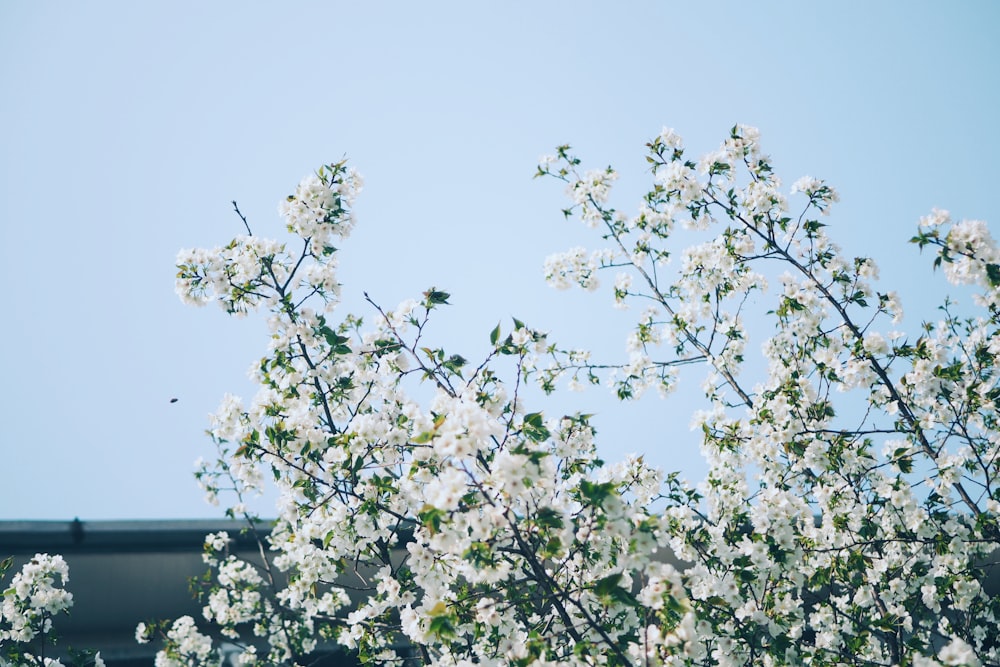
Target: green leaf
607 585
549 518
454 363
431 518
434 297
441 626
552 548
534 418
534 427
479 554
993 273
337 343
386 346
495 334
610 590
902 459
595 492
812 226
675 605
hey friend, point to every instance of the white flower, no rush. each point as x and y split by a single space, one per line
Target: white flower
875 343
669 138
520 336
678 177
446 490
936 218
227 420
958 653
574 266
806 184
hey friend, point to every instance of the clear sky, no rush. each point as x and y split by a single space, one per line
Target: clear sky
128 127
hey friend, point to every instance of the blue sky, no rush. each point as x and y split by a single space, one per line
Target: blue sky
129 127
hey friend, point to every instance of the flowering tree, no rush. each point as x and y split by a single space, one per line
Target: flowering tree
477 530
429 514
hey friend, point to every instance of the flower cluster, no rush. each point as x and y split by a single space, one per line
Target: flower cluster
35 596
184 646
320 208
251 272
572 267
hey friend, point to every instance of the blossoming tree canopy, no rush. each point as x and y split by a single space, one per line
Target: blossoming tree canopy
481 530
431 512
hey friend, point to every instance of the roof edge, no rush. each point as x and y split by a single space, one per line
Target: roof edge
126 536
